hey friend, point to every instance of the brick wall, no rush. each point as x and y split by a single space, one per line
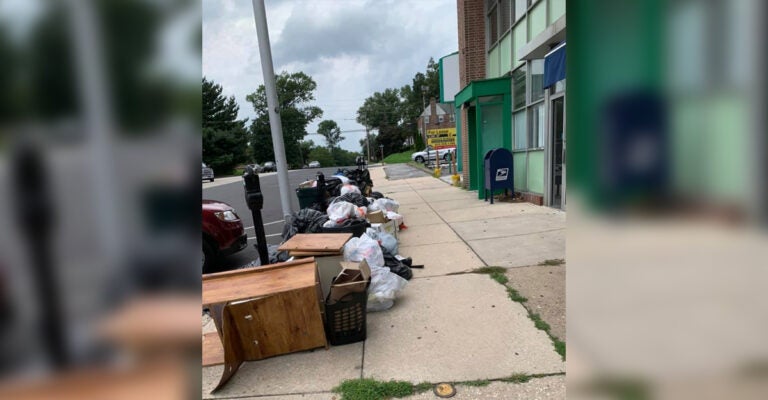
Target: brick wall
471 24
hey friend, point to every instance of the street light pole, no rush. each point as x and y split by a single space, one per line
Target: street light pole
265 53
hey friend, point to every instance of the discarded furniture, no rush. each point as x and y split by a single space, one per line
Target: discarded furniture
264 311
326 248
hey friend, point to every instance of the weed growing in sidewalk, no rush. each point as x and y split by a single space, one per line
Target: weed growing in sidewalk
371 389
553 262
517 378
514 295
478 383
497 274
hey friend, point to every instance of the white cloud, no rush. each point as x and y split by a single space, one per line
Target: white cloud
350 48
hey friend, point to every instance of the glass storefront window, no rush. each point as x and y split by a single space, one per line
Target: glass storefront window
518 88
520 135
537 80
536 138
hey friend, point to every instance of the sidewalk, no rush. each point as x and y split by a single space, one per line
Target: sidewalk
448 325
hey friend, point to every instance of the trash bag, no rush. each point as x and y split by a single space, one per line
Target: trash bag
387 242
364 248
354 198
333 186
349 188
376 195
275 257
396 266
306 220
339 211
384 288
386 204
395 217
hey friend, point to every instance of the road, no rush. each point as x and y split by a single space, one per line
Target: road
230 191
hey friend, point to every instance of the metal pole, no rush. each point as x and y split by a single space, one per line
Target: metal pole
265 53
368 144
98 126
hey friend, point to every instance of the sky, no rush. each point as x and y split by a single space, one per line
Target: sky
350 48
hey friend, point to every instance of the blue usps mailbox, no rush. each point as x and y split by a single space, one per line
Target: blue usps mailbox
498 172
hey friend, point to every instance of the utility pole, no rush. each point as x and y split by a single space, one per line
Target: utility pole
368 145
265 53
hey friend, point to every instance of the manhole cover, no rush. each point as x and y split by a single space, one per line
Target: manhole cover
444 390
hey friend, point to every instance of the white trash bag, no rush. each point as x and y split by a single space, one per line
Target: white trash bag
347 188
364 248
385 286
386 241
341 211
386 204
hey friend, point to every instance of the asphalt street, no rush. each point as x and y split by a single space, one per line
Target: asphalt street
233 194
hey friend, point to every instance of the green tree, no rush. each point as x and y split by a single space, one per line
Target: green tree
295 92
323 155
224 136
331 132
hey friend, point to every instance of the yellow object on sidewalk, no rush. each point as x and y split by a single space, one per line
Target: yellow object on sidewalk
437 173
456 180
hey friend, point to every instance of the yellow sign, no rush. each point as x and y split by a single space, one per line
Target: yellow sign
441 138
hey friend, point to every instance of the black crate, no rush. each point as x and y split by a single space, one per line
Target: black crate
357 229
345 320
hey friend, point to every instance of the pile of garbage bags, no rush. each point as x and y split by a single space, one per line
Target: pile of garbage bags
349 198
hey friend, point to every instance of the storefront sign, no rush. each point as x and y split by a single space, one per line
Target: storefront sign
441 138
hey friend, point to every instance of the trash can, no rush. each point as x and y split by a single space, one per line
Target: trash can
306 196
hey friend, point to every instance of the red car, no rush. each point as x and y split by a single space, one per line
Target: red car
223 232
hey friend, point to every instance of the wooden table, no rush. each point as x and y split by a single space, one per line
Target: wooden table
264 311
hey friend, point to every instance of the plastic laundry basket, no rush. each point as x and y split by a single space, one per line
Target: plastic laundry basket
345 320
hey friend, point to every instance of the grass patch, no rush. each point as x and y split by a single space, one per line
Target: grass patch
501 278
514 295
553 262
398 158
478 383
559 347
539 323
489 270
517 378
371 389
422 387
496 273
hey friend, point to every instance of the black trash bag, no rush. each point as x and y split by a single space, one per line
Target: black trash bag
306 220
396 266
275 257
354 198
377 195
333 186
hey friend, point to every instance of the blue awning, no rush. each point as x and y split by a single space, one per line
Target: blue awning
554 66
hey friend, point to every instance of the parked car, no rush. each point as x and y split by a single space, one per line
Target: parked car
314 164
428 154
223 232
269 166
207 173
256 167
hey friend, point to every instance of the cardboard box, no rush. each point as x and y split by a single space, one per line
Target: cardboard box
377 217
353 278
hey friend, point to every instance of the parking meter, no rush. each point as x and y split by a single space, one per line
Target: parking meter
34 208
255 201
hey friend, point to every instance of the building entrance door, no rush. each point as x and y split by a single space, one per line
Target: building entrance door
557 157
